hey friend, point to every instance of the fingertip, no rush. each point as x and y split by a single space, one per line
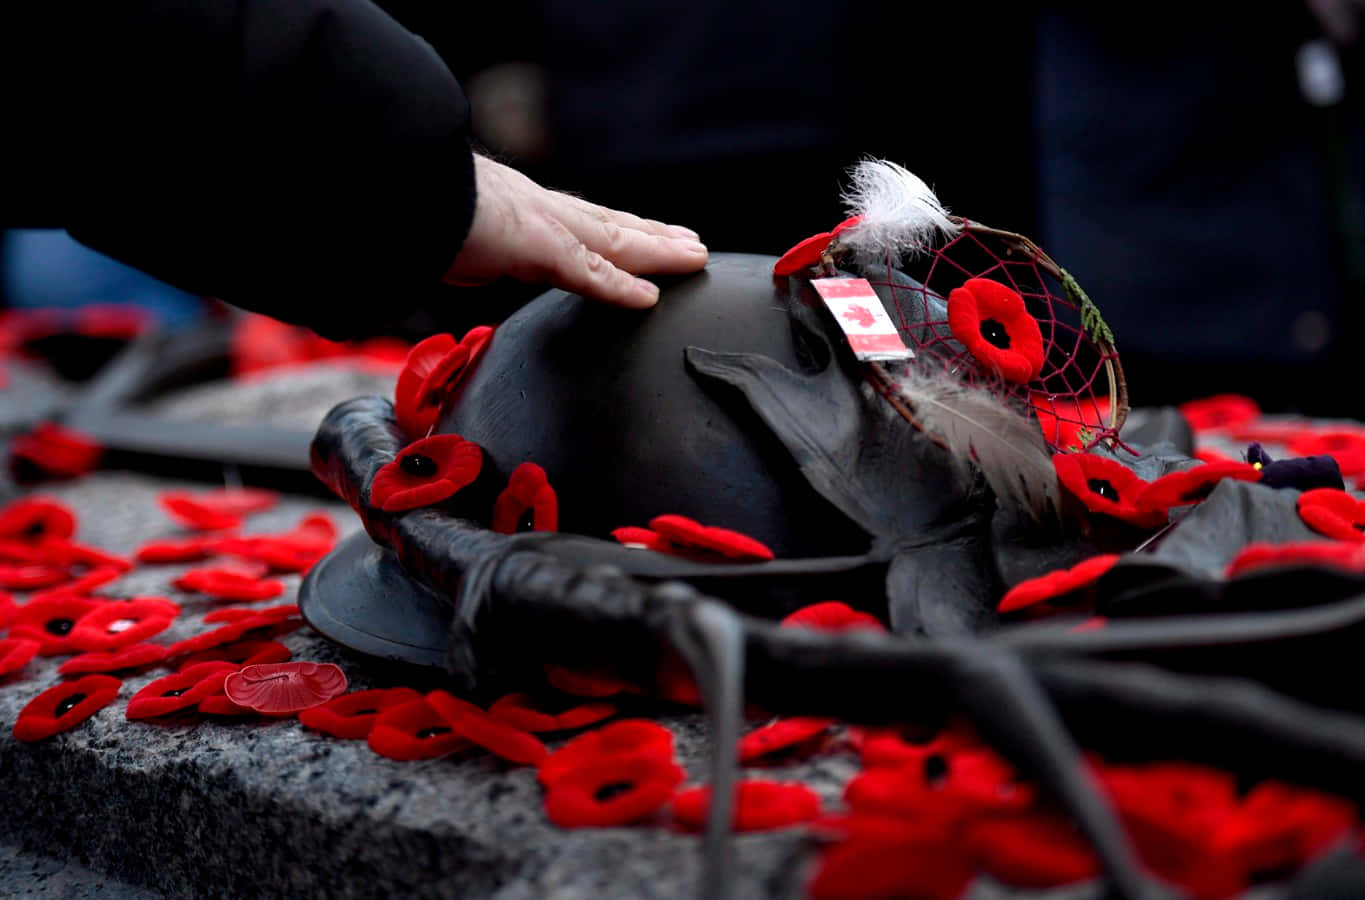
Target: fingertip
645 295
682 232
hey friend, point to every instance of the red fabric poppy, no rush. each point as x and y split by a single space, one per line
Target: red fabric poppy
1333 513
57 451
1069 424
1345 445
893 860
240 654
882 748
12 551
759 805
216 510
992 322
1056 584
206 640
1210 455
178 691
119 624
450 369
945 787
31 577
64 552
1191 485
282 689
582 683
644 538
425 472
519 711
135 657
528 492
688 534
83 585
268 617
33 518
291 551
807 252
226 583
351 716
220 705
781 735
64 706
1347 555
497 737
1031 851
15 653
832 616
414 730
175 550
50 621
1220 411
7 610
1105 486
618 740
1277 827
612 790
415 417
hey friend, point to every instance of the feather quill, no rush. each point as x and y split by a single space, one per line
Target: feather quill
899 216
980 430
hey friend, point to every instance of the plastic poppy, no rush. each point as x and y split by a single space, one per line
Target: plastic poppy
1345 445
425 472
15 653
609 791
528 499
225 583
1191 485
1056 584
64 706
782 735
807 253
414 730
1333 513
118 624
832 616
619 740
56 451
1105 486
759 805
50 621
282 689
688 535
179 691
519 711
135 657
991 321
33 518
351 716
495 736
241 653
1220 411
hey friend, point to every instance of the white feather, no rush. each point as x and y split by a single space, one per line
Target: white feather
901 216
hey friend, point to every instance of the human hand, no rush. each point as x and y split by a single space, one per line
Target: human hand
527 232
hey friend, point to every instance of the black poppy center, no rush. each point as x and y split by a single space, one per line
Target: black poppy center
36 529
365 712
417 465
59 626
1103 488
995 332
175 692
69 704
527 522
610 790
935 768
432 732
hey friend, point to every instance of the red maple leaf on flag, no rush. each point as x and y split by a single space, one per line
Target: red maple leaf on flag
860 315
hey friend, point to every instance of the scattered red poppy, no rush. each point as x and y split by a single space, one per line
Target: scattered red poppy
613 790
892 858
833 616
1105 486
7 609
1191 485
882 748
807 252
227 583
12 551
186 509
135 657
15 653
31 519
528 496
282 689
351 716
175 550
582 683
31 577
415 417
448 371
291 551
57 451
1056 584
643 538
118 624
414 730
946 786
216 637
220 705
690 535
1333 513
1347 555
64 552
241 653
493 735
49 622
782 735
178 691
618 740
64 706
759 805
83 585
519 711
1031 851
1220 411
992 322
426 471
1345 445
269 617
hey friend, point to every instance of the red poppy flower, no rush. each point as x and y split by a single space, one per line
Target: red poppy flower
613 790
832 616
252 619
1220 411
31 577
497 737
528 496
619 740
1105 486
220 705
1031 851
690 535
63 552
206 640
7 609
1191 485
225 583
56 451
185 510
1067 423
281 689
780 735
15 653
1347 555
118 624
50 621
893 860
33 518
1345 445
1056 584
414 730
292 551
945 786
175 550
425 472
446 374
240 654
519 711
415 417
1334 513
807 253
12 551
64 706
582 683
882 748
644 538
991 321
759 805
83 585
351 716
181 690
135 657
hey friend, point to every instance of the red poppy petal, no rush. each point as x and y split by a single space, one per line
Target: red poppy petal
15 653
34 518
1334 513
519 711
135 657
83 585
115 625
31 577
414 730
1105 486
832 616
647 538
758 806
624 738
64 706
608 791
1032 851
190 549
220 705
497 737
730 544
804 255
351 716
1191 485
181 690
185 510
57 451
1056 584
446 463
1345 445
229 584
49 622
889 747
414 420
63 552
1348 555
226 634
284 688
528 490
982 300
781 734
241 654
1220 411
923 868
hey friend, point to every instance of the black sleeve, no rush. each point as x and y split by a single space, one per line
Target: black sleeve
308 159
